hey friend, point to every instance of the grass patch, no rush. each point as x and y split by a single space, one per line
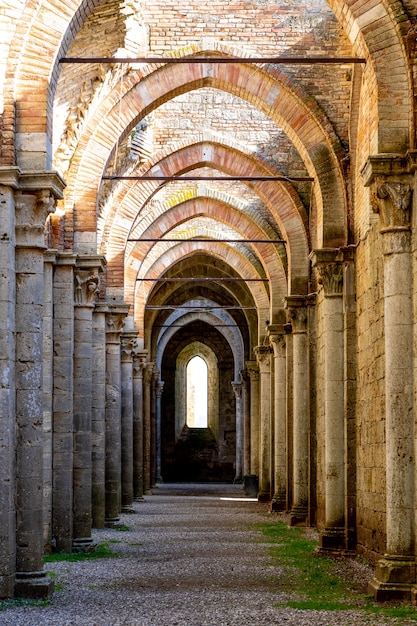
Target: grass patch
317 580
102 552
16 602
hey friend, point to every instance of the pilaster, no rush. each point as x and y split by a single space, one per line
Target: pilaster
263 356
237 388
128 343
139 363
114 324
33 203
253 373
147 378
328 264
391 194
159 387
277 339
297 313
86 291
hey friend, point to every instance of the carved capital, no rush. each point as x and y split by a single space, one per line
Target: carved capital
263 357
392 200
237 388
115 319
297 313
252 370
128 340
147 374
86 287
278 344
159 388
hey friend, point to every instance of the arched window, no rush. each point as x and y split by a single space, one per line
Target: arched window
197 393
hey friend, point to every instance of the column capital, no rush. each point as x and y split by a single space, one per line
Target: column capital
147 372
237 388
252 370
115 318
263 357
328 263
277 341
128 339
139 362
159 388
297 313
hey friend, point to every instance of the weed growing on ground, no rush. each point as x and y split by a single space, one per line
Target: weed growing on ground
315 580
11 604
102 552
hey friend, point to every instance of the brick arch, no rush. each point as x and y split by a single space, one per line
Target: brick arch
282 201
221 252
273 92
144 252
363 24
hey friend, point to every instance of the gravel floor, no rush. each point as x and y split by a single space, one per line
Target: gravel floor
185 560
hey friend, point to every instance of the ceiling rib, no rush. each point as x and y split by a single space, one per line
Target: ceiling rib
203 240
204 279
289 179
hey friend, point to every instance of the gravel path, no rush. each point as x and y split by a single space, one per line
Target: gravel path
185 560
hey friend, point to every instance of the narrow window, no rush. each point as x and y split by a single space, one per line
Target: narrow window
197 384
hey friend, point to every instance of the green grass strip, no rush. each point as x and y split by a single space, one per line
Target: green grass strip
315 581
102 552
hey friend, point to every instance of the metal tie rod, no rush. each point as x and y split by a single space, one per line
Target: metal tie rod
202 240
204 279
288 179
195 59
174 307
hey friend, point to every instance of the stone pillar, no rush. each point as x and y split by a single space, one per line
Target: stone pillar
154 384
237 388
86 291
98 416
263 355
128 339
33 204
297 312
329 265
277 340
253 373
63 380
147 377
114 323
395 573
246 421
139 362
49 261
8 182
159 387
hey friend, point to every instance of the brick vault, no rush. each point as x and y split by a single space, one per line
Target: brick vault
229 181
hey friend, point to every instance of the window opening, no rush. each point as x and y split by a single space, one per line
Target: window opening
197 393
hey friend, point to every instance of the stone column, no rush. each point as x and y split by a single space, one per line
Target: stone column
154 384
114 323
33 204
8 182
86 291
98 416
246 421
139 362
263 355
391 196
48 350
297 312
277 340
237 388
253 373
329 265
128 339
63 379
147 377
159 387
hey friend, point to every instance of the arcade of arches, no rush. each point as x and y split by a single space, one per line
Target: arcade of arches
177 199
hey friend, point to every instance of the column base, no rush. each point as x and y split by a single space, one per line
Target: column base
298 516
278 503
138 499
111 522
84 544
33 585
128 508
264 496
332 540
395 579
